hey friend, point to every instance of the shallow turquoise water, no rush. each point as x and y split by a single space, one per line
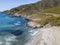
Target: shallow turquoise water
14 31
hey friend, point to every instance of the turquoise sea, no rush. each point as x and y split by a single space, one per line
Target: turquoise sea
14 30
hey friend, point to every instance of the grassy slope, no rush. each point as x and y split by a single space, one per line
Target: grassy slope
50 18
55 10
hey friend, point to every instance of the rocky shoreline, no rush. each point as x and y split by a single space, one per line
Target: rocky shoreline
31 23
34 24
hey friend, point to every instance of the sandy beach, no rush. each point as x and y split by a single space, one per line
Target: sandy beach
46 36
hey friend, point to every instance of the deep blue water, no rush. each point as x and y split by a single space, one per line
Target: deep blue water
14 30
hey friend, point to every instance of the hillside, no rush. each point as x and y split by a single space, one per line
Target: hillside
33 8
55 10
36 12
50 3
25 9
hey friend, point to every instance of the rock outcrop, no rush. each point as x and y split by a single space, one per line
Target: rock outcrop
33 24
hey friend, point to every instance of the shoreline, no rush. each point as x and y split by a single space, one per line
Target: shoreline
46 36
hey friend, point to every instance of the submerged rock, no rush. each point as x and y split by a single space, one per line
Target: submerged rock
14 32
17 32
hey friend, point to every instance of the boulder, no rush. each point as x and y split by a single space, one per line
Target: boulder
33 24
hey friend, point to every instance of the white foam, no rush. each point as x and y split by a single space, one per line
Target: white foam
10 38
7 43
17 23
33 32
27 43
1 42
